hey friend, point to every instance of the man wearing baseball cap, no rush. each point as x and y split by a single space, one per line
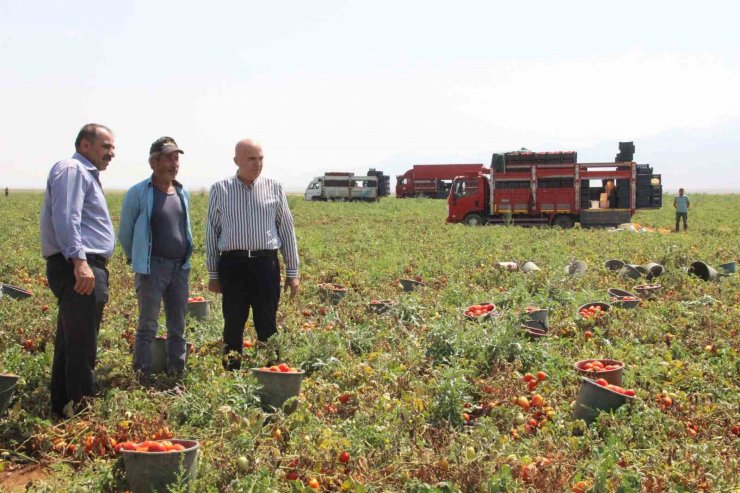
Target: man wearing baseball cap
155 234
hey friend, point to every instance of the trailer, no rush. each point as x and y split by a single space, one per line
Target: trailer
343 186
431 180
530 188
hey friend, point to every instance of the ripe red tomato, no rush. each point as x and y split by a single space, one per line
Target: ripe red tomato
157 447
291 475
284 368
344 398
313 483
602 382
344 457
541 376
528 377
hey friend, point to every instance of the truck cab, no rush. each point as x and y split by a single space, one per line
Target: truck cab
313 190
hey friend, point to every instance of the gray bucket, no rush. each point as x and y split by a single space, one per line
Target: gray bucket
630 272
198 309
529 266
508 266
703 271
534 334
15 292
648 291
7 388
159 354
410 284
614 377
616 298
729 267
654 270
540 315
381 306
534 324
156 471
576 268
613 264
333 293
593 399
277 387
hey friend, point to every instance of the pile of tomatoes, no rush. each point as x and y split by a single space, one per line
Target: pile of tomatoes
150 446
281 368
615 388
480 310
196 299
594 311
597 365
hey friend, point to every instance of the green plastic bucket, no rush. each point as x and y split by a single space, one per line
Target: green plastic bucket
7 388
198 309
159 354
593 399
148 472
277 387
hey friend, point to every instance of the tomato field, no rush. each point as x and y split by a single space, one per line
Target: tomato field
436 391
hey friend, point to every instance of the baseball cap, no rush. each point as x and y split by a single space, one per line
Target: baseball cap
164 145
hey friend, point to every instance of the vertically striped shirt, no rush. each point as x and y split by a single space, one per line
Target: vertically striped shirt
249 218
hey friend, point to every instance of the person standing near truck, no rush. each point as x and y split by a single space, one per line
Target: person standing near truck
155 235
248 222
77 239
681 204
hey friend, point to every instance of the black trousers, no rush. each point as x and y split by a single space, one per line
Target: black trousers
78 323
248 283
679 216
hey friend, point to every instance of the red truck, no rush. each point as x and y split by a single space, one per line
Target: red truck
552 188
431 180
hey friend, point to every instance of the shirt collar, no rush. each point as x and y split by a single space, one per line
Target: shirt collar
256 180
174 182
88 165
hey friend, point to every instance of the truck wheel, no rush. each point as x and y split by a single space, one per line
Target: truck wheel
563 221
474 219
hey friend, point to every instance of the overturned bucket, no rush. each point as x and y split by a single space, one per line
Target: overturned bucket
629 272
198 309
508 266
613 264
15 292
654 270
703 271
540 315
410 284
729 267
576 268
529 266
334 293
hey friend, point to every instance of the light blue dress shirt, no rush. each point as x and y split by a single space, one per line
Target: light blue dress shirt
75 220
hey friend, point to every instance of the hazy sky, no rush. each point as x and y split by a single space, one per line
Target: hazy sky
332 85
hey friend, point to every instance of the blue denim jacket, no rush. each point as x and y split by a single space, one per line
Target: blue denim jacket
135 228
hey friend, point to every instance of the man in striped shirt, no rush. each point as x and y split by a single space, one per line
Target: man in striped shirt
248 222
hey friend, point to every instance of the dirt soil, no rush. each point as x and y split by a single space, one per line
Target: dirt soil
16 478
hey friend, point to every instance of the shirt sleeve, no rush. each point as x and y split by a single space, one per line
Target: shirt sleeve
213 233
129 213
67 189
284 222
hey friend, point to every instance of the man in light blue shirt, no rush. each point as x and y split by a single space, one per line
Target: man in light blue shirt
77 239
155 235
681 204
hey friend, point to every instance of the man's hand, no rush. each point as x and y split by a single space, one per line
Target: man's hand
84 277
292 283
214 285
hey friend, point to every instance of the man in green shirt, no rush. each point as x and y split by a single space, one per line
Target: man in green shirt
681 204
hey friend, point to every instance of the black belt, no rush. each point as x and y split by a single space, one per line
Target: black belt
250 253
92 258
